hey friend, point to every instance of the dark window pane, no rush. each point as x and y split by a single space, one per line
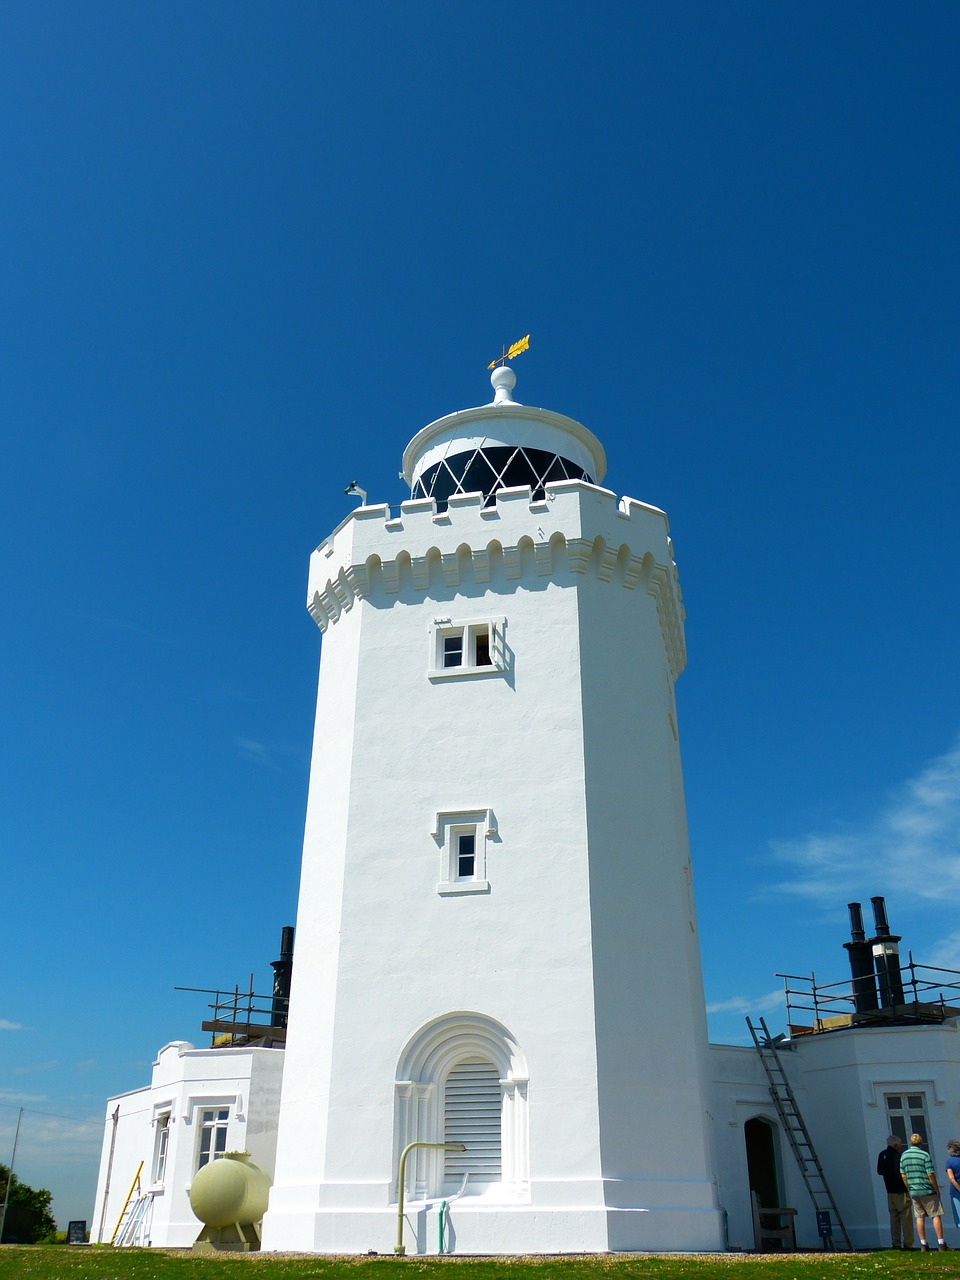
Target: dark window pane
478 476
556 471
453 650
438 482
482 647
466 855
518 471
894 1102
915 1101
491 468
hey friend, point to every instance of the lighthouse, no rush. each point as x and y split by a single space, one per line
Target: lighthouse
497 955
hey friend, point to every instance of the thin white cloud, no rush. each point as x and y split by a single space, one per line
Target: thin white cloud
115 622
946 953
21 1099
57 1141
744 1005
31 1068
5 1025
913 843
257 752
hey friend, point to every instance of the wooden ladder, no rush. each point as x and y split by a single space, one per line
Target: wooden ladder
796 1131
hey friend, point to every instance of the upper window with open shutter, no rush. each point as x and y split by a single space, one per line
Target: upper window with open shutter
466 648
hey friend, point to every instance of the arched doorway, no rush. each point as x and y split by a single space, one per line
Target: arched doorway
763 1160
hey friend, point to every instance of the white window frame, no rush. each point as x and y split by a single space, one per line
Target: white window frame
200 1106
449 826
904 1112
162 1120
468 629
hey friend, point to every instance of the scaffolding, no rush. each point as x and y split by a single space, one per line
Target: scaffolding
814 1007
244 1018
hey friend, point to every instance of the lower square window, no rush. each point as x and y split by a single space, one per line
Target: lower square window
462 838
466 855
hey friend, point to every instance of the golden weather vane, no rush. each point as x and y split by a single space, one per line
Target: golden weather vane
509 352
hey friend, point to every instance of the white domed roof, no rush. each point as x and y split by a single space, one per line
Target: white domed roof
504 423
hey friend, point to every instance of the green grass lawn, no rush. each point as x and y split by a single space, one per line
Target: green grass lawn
61 1262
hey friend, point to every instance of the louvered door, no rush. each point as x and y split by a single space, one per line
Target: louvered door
472 1108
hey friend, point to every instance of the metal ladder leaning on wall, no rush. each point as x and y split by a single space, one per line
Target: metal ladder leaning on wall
796 1130
133 1224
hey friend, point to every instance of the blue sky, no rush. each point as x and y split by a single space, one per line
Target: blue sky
248 251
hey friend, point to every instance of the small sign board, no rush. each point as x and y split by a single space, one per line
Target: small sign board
824 1225
77 1231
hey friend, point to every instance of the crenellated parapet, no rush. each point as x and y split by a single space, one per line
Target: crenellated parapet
578 529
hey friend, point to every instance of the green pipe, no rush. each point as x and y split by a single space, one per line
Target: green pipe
401 1172
443 1210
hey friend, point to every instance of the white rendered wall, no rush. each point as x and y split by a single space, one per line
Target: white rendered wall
134 1137
584 949
185 1080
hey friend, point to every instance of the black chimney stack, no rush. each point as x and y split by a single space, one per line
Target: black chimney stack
886 957
282 970
861 963
880 917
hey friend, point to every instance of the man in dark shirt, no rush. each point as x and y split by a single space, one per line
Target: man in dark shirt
898 1202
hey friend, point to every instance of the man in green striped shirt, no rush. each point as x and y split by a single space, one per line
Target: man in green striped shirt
917 1172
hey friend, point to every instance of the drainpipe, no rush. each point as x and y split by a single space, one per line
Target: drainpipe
445 1205
435 1146
6 1198
106 1188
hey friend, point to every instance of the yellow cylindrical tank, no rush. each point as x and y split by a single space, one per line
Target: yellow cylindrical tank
230 1190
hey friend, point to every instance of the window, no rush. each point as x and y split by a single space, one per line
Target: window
453 650
907 1113
213 1134
466 854
467 648
160 1146
462 837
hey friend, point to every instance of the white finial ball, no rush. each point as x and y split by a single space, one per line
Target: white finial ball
503 380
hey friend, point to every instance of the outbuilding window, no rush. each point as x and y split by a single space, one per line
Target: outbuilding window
161 1145
213 1134
907 1114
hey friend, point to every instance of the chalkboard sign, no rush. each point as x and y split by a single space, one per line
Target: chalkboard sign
824 1225
77 1232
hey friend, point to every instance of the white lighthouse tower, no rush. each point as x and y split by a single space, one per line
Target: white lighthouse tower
496 939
